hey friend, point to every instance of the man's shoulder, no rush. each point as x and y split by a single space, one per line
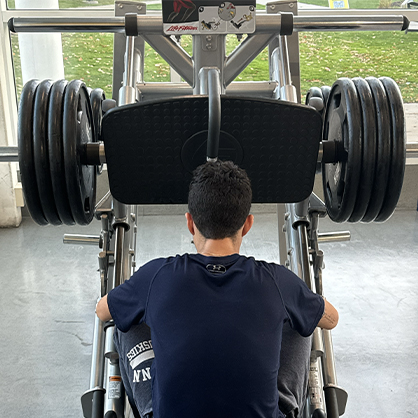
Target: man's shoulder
270 266
157 263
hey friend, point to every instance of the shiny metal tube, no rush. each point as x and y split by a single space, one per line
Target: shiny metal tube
276 65
146 24
297 246
325 237
412 150
349 23
303 245
82 239
129 73
284 63
8 154
65 24
256 88
164 89
330 376
118 276
128 92
97 358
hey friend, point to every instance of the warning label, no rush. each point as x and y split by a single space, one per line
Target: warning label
114 389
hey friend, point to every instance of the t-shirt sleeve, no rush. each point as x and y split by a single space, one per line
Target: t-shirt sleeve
304 307
127 302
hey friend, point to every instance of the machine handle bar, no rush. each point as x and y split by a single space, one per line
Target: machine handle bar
152 25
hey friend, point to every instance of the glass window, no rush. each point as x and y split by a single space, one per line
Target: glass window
69 4
353 4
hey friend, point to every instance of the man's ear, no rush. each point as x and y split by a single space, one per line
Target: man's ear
190 223
248 224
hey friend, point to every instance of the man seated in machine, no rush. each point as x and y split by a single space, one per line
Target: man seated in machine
216 317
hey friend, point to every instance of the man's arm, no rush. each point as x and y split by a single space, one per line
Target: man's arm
102 310
329 318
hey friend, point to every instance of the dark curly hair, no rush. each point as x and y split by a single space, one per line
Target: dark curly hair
219 199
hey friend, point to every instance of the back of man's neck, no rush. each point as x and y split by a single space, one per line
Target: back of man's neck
219 247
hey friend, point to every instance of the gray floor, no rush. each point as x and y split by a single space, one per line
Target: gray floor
49 290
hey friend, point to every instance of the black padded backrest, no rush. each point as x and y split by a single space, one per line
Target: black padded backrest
153 147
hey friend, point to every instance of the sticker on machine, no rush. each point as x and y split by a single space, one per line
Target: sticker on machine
210 16
115 387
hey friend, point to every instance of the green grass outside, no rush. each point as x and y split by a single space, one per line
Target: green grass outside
67 4
324 57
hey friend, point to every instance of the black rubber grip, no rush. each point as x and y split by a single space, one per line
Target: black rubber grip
319 413
131 24
11 25
286 26
331 402
97 409
404 27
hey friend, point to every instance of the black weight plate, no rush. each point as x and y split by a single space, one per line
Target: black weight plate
78 131
383 142
368 158
25 146
398 151
316 92
313 92
341 124
40 152
96 99
325 90
56 153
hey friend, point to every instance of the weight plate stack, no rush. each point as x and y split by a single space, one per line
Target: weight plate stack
376 109
341 124
55 123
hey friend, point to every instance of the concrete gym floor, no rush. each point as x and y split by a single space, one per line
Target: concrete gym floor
49 290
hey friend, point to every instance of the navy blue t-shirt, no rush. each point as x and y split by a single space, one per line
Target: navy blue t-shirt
216 327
